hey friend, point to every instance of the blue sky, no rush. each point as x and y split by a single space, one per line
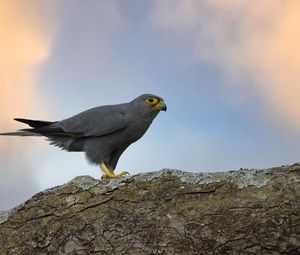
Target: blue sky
221 114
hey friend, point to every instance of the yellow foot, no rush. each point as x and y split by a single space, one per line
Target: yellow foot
111 176
109 173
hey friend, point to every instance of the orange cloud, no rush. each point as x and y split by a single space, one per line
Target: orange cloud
25 42
24 45
254 43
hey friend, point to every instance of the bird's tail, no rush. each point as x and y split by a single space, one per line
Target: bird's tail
35 124
20 133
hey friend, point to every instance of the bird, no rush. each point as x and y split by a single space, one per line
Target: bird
102 132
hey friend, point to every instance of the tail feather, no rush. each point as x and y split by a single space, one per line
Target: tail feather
20 133
35 131
35 123
42 128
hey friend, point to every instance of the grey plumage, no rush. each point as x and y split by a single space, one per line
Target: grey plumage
103 132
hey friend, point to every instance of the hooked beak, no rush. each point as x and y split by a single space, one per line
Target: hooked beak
161 106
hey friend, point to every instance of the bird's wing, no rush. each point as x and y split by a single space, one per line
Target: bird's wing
98 121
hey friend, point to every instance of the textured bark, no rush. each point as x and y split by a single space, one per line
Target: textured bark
165 212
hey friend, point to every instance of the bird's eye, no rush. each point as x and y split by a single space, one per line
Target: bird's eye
152 101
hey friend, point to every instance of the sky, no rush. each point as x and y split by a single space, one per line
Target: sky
229 72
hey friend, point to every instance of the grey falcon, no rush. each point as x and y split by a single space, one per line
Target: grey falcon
103 132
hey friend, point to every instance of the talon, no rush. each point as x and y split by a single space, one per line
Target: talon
121 174
103 176
112 176
109 173
107 176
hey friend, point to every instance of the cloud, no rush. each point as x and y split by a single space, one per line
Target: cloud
255 44
25 36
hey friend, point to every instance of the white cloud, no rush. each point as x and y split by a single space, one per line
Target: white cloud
255 44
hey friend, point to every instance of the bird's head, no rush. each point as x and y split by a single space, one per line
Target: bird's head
149 104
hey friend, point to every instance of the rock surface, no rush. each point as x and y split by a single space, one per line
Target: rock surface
164 212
